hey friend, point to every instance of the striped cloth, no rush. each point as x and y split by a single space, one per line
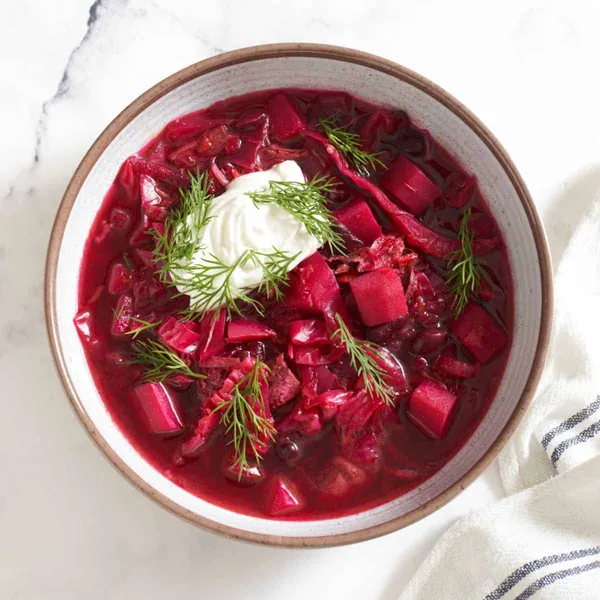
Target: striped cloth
543 541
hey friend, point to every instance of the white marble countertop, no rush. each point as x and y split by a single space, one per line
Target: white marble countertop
70 526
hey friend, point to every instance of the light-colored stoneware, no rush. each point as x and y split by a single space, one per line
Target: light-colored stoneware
379 81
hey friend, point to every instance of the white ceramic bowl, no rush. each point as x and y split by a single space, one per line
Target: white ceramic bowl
373 79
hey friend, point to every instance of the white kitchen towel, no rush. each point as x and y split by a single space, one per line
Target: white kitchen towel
543 542
561 429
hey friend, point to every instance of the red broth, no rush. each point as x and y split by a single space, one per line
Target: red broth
391 450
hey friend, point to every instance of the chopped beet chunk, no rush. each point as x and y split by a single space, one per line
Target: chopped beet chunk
284 384
308 332
212 336
245 330
408 184
119 280
357 217
446 366
158 409
341 476
477 331
314 288
179 336
283 498
242 474
430 407
458 189
284 118
379 296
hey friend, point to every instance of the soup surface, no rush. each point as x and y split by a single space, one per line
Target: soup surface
295 304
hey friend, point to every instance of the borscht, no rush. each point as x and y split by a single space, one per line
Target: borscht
295 304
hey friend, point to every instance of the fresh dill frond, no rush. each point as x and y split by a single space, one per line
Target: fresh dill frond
160 361
118 313
243 417
127 261
307 202
349 145
209 282
181 237
143 326
275 268
466 270
362 354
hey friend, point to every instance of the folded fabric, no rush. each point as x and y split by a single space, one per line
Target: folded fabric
560 430
543 541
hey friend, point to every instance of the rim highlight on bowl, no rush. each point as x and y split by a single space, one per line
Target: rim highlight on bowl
310 66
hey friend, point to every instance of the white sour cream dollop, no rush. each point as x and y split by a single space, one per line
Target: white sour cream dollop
238 225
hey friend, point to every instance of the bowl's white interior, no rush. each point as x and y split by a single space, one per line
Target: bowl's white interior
371 85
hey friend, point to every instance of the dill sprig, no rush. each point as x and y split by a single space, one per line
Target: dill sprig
127 261
143 326
161 361
248 427
306 202
209 282
363 355
181 239
349 145
466 270
118 313
275 267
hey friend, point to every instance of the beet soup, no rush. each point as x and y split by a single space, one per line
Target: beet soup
295 304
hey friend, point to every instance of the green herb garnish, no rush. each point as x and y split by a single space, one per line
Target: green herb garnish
143 326
127 261
349 145
243 417
209 282
181 240
466 271
161 361
307 202
363 355
118 313
275 266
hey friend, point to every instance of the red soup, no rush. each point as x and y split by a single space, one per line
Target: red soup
295 304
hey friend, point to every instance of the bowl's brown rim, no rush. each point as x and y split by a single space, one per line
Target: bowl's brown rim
344 55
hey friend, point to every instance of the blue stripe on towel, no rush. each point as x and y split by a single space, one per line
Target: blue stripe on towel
554 577
534 565
584 436
577 418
